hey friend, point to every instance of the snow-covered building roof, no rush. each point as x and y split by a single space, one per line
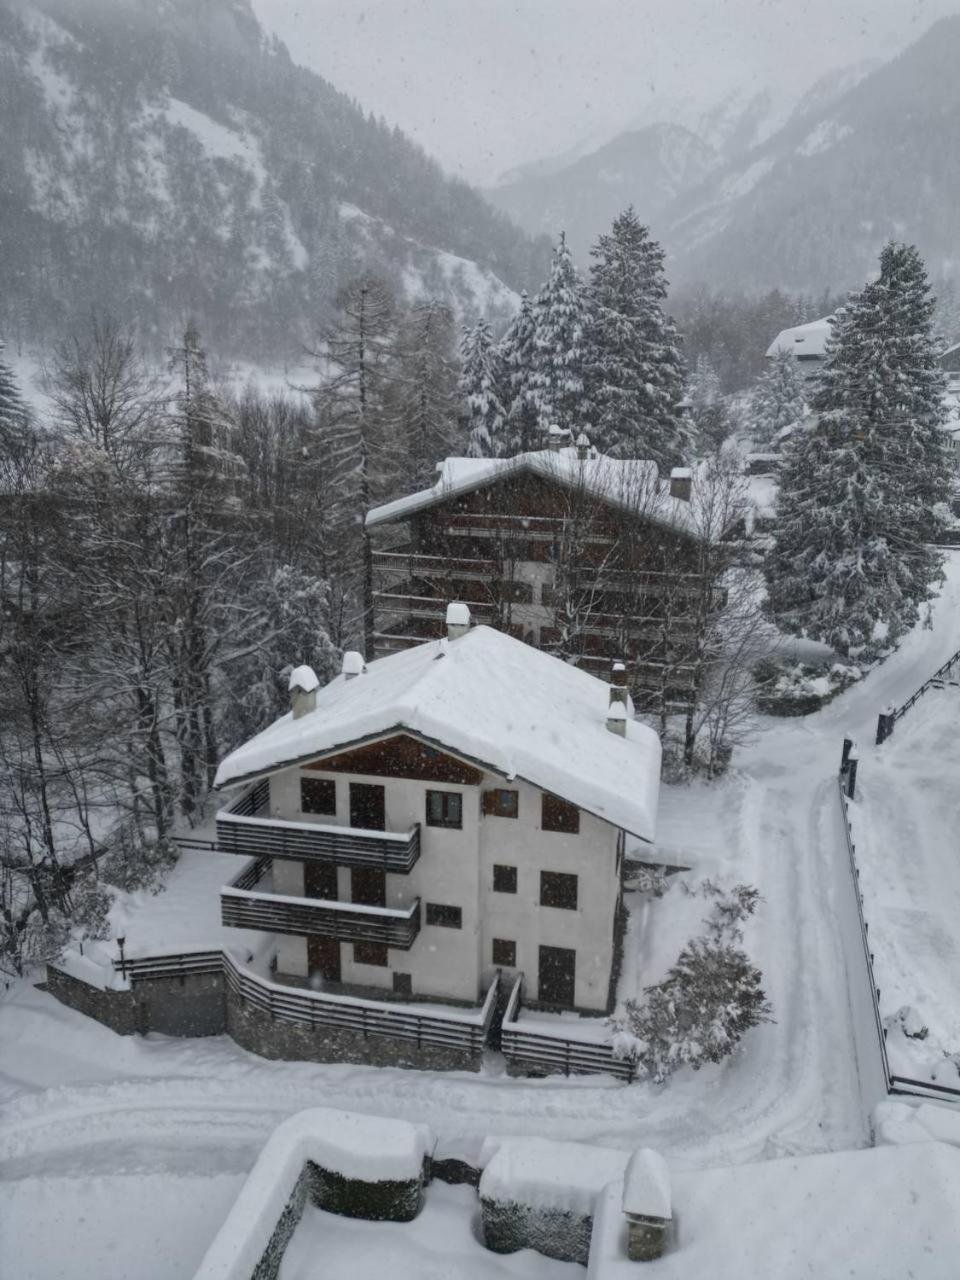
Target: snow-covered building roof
629 483
489 699
805 341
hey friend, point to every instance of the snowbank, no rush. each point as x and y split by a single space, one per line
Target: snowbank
884 1213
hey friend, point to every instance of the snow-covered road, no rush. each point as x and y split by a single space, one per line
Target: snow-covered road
78 1101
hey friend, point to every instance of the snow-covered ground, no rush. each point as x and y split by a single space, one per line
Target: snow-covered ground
170 1123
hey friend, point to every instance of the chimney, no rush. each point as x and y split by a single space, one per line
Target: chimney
458 620
617 718
618 683
303 687
556 436
681 483
353 664
583 447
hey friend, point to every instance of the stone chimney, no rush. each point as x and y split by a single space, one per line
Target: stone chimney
557 437
583 447
303 688
617 718
353 665
458 620
618 683
681 483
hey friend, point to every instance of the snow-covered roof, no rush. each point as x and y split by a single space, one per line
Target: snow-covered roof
490 699
803 339
630 483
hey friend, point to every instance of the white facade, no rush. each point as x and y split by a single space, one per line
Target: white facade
456 869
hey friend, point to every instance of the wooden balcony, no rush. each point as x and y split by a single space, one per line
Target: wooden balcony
259 837
250 903
410 564
433 608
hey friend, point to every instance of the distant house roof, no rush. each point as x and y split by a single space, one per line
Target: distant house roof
631 484
950 359
492 700
805 341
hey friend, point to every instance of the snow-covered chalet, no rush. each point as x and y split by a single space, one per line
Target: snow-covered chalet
440 814
589 557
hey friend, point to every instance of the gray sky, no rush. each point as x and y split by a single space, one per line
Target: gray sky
487 84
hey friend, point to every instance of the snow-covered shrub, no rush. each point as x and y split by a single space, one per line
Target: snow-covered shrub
697 1014
800 689
91 907
29 940
643 879
134 863
730 908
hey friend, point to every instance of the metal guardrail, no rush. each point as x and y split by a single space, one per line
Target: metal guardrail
896 1085
465 1031
887 719
555 1053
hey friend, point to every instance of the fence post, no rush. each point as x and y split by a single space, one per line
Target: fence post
885 722
845 754
852 774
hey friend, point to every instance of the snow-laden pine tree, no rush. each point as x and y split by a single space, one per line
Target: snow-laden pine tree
860 489
709 413
523 429
778 399
13 410
426 390
557 370
634 368
479 387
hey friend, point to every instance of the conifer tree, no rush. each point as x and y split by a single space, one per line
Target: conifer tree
778 399
860 492
557 369
427 390
523 429
479 388
13 412
634 367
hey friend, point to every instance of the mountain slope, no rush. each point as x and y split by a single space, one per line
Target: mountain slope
162 158
810 208
648 167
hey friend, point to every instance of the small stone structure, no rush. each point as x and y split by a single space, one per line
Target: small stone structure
646 1205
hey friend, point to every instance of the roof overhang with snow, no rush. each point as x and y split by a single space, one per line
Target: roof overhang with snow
631 485
802 340
490 700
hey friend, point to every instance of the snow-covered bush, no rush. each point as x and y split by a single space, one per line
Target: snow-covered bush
708 999
698 1014
134 863
91 908
800 689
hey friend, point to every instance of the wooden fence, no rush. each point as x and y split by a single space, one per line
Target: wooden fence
538 1050
465 1031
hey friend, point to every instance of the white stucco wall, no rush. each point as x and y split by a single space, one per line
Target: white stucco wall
455 868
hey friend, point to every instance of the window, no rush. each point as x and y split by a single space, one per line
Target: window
370 953
444 809
444 917
403 984
504 952
558 889
318 795
504 879
501 804
559 815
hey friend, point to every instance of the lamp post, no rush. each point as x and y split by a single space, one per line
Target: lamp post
123 963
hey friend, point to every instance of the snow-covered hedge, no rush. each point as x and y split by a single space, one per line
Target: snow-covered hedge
800 689
358 1166
538 1194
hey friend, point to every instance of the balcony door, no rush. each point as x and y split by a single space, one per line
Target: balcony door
367 807
323 954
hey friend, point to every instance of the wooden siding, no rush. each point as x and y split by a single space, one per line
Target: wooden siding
400 757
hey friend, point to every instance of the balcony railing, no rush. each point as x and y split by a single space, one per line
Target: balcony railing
245 904
410 564
426 606
257 837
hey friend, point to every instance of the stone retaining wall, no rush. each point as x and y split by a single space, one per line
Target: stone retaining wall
254 1029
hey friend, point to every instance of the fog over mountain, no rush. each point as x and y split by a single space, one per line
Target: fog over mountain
163 157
